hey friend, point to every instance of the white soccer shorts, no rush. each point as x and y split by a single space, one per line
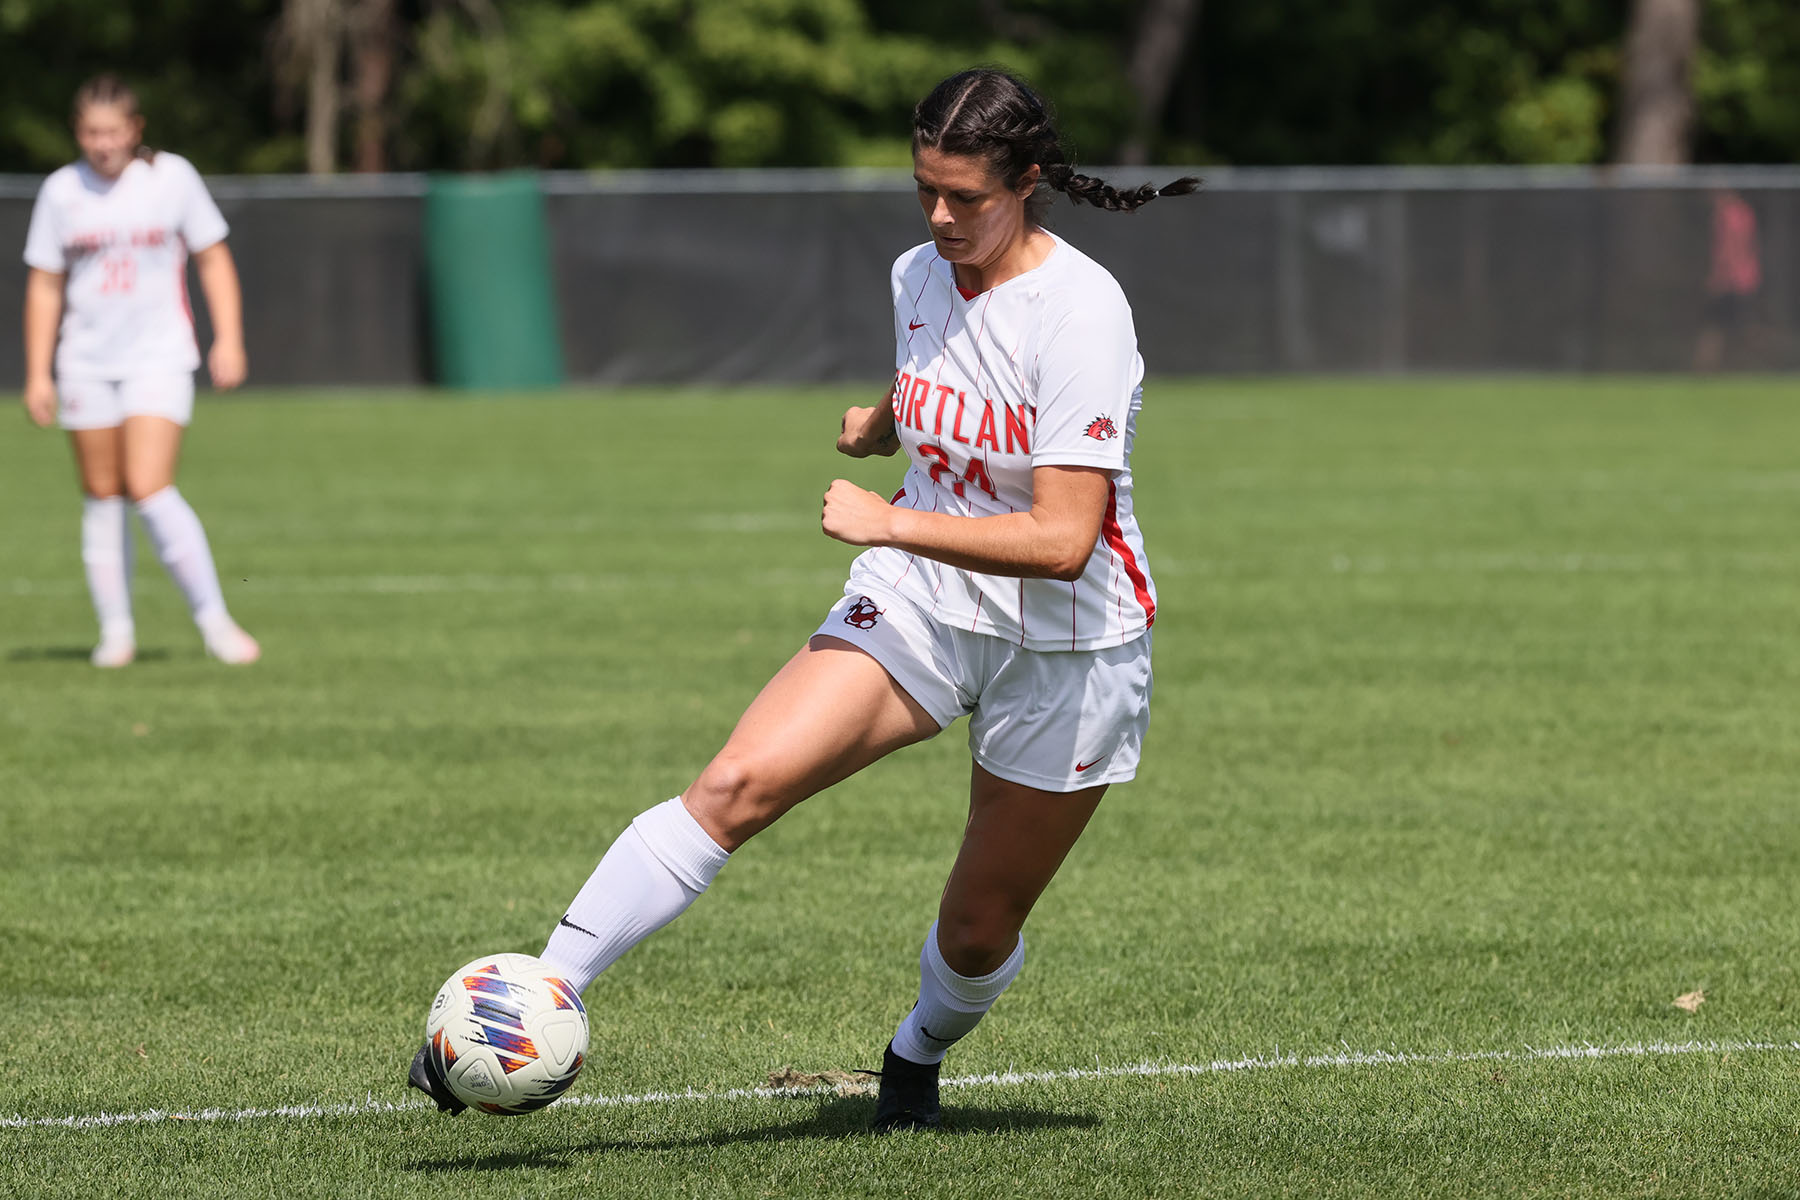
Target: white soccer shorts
105 403
1059 720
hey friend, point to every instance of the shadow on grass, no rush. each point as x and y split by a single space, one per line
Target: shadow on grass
840 1117
74 654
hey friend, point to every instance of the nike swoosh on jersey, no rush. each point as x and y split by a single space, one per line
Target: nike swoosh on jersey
915 324
1084 766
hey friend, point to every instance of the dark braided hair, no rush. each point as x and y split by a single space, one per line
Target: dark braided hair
990 114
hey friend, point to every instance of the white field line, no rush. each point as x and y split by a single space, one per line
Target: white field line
425 584
434 584
1279 1062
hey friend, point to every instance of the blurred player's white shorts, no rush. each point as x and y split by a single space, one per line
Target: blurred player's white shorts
104 403
1056 720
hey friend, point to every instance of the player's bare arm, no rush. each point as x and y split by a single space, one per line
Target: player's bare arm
1053 540
869 431
226 361
43 315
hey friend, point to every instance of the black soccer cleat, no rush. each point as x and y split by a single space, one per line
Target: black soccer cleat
424 1075
908 1098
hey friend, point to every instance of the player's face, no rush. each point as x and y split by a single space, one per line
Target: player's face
108 136
974 217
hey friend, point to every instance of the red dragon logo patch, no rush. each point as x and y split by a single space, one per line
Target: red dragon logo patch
1101 429
862 614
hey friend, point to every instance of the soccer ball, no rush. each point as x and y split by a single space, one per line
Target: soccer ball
507 1034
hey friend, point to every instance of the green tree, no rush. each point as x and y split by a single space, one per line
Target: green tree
613 83
198 67
1745 96
657 83
1401 81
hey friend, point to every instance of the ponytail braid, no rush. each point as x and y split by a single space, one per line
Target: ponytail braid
1085 189
990 114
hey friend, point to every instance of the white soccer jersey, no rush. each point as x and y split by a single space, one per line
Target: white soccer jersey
1042 370
123 245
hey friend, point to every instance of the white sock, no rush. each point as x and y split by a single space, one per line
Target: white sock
106 553
657 867
180 543
950 1005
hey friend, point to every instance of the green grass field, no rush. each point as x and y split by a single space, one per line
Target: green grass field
1475 740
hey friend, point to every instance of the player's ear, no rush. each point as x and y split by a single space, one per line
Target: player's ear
1029 180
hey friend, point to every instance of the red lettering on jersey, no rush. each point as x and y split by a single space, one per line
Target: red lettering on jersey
921 392
937 425
987 435
956 434
1015 423
977 474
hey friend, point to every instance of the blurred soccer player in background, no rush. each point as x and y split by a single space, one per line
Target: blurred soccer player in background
1006 582
110 354
1734 274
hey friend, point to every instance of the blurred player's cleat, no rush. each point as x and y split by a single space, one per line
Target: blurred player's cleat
231 645
909 1095
114 652
423 1075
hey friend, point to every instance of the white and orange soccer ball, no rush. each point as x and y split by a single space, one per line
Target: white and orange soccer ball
507 1034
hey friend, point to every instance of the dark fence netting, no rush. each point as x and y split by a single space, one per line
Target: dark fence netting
782 276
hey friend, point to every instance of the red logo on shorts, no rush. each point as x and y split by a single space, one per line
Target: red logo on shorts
862 614
1101 428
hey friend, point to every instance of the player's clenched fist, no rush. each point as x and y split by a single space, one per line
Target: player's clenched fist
868 431
855 515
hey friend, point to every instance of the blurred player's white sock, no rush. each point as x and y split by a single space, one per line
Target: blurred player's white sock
949 1004
181 545
106 554
657 867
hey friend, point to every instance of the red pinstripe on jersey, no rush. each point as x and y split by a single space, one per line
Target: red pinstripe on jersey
974 414
1114 537
187 307
915 301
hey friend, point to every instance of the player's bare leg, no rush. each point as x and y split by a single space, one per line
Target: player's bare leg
830 712
1014 843
1015 839
106 543
152 449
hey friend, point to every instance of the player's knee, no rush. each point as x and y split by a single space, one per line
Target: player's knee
976 942
139 487
734 800
101 483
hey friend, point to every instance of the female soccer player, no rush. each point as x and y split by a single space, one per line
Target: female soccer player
1006 581
110 354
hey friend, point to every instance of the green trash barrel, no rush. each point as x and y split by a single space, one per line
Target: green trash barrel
487 260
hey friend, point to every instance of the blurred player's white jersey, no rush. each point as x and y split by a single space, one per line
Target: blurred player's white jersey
1042 370
123 245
